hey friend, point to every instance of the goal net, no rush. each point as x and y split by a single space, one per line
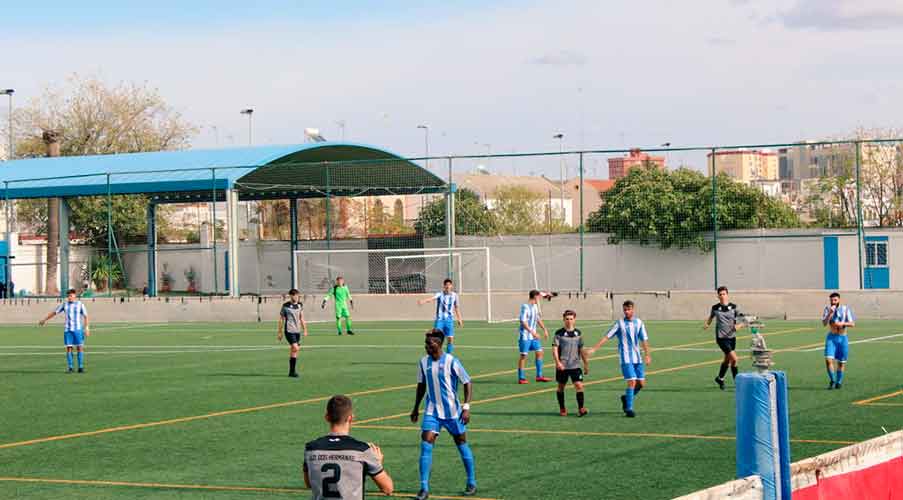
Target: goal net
398 271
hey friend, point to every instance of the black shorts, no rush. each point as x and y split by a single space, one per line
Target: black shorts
293 338
575 374
727 345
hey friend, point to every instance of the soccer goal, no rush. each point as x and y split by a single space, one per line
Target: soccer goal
397 270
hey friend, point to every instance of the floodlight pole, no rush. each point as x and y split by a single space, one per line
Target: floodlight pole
426 140
9 93
560 138
250 113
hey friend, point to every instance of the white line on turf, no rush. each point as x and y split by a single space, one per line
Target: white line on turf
861 341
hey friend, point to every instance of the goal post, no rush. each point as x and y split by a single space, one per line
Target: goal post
400 264
387 271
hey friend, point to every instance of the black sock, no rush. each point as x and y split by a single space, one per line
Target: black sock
734 371
560 396
579 399
292 362
722 371
636 389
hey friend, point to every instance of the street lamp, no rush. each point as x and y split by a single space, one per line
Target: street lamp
250 113
560 138
426 142
341 125
9 93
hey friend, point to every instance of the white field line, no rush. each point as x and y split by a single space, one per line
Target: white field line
862 341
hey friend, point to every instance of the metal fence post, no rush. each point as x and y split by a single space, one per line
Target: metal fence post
213 224
859 230
581 223
109 238
450 218
715 218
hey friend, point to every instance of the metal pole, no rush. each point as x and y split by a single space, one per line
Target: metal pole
581 222
213 224
561 173
715 218
450 219
328 223
250 129
109 238
9 154
293 217
9 249
859 231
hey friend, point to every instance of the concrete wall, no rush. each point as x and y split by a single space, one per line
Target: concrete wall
517 263
682 305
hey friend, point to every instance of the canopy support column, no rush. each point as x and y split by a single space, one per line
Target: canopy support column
64 213
152 249
293 217
232 240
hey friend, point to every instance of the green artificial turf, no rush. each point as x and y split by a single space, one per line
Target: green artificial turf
164 374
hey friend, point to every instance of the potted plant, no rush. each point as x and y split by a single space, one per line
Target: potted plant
166 279
105 271
191 277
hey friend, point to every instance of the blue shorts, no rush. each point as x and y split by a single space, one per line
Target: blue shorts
454 426
74 338
633 371
446 325
528 345
837 347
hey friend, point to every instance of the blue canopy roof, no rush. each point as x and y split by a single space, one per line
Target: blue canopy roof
176 171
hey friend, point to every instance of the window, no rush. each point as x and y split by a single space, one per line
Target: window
876 253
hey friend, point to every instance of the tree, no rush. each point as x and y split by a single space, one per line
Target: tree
517 210
674 209
471 216
92 117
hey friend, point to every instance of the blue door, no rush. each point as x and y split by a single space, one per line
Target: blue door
877 269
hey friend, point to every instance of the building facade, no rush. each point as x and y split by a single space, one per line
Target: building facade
747 166
618 167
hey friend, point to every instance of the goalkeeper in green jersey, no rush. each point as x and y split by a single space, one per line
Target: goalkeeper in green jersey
342 297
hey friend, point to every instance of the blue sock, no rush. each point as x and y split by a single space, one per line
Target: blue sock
69 359
831 375
628 394
450 348
520 374
81 359
426 464
538 368
839 376
467 458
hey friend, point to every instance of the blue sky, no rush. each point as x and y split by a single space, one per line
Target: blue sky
504 74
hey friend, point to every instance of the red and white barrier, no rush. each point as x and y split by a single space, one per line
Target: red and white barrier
870 470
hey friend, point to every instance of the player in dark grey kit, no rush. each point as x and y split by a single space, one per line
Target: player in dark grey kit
725 314
291 322
567 347
336 465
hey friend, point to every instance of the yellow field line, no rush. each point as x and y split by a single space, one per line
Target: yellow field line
251 409
206 487
878 398
882 404
594 382
192 418
601 434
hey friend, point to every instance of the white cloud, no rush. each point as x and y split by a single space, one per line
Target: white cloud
831 15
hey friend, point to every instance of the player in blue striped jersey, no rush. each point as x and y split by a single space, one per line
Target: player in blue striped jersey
438 376
447 311
838 317
528 339
75 327
632 335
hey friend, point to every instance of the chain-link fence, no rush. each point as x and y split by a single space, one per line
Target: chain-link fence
819 215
